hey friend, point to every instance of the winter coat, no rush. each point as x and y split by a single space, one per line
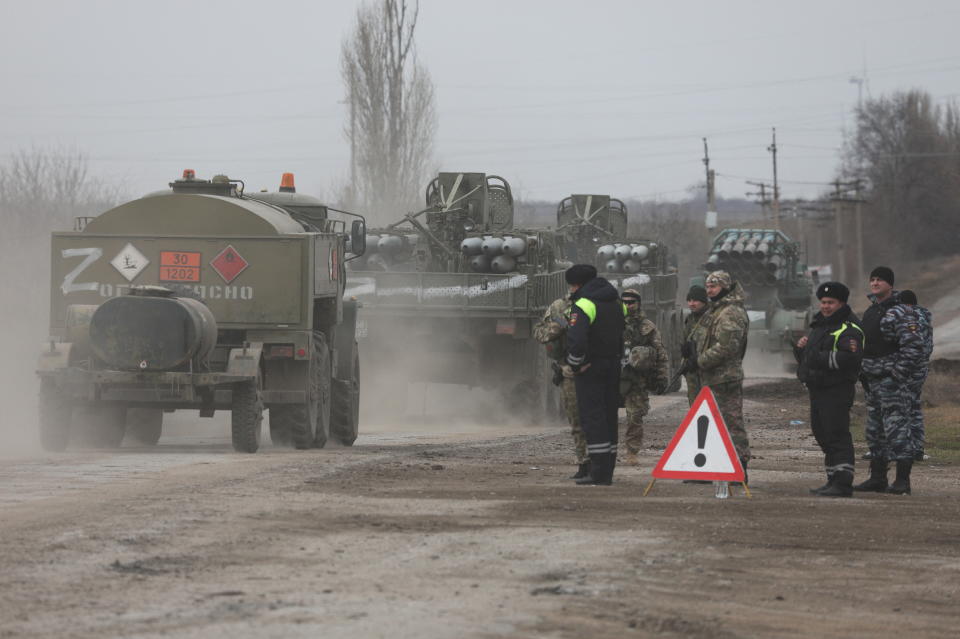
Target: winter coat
723 342
833 351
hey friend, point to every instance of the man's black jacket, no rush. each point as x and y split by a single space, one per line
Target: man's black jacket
600 335
833 351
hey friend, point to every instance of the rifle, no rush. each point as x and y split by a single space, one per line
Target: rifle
676 376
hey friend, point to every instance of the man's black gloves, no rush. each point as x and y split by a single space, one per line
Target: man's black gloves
687 349
692 363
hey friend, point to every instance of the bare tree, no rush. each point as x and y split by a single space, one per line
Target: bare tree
905 150
393 119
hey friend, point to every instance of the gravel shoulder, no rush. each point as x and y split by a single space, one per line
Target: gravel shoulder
422 532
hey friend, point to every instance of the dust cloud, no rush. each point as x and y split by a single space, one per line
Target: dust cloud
23 329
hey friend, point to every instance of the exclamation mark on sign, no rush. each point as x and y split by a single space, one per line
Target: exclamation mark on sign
703 422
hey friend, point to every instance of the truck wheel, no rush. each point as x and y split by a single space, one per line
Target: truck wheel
55 413
246 416
324 381
345 406
100 425
145 425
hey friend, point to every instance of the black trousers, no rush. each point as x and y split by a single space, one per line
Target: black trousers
830 421
598 400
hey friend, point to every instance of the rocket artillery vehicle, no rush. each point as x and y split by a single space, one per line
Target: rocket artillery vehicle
593 230
450 293
768 265
202 297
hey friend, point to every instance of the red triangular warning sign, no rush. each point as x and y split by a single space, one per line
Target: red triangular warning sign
701 448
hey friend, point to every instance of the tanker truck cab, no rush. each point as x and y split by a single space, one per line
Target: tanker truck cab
200 297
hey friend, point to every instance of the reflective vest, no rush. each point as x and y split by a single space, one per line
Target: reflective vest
837 333
588 307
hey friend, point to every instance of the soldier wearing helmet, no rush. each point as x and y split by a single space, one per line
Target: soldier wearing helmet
644 369
717 354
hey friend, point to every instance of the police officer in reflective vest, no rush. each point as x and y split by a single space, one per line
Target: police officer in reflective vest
829 365
594 347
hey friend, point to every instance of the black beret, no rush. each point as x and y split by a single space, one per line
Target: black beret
580 274
697 293
908 297
835 290
885 273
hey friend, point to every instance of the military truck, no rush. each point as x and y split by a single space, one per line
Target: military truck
449 294
769 266
593 230
202 297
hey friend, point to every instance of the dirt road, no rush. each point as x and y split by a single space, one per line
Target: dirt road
416 532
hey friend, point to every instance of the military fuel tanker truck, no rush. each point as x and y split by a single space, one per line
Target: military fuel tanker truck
593 230
202 297
768 264
449 294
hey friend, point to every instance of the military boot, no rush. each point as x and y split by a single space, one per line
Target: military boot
877 483
901 485
817 491
601 471
583 470
743 462
840 486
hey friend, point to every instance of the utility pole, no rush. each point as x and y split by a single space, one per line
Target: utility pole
776 188
711 180
840 275
764 202
861 273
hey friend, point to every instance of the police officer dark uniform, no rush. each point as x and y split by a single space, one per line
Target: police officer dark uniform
829 365
594 347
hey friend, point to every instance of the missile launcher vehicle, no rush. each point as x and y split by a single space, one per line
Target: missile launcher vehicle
202 297
768 264
450 293
593 230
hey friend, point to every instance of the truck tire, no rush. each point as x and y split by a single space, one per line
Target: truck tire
246 416
55 412
99 425
345 405
324 383
145 425
301 424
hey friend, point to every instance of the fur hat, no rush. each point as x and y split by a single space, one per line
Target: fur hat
697 293
580 274
908 297
835 290
885 273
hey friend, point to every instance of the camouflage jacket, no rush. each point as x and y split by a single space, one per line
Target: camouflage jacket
722 340
694 327
925 329
901 327
551 329
645 356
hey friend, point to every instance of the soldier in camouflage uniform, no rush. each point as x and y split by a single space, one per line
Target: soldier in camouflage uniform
718 355
924 321
892 356
551 331
693 325
645 368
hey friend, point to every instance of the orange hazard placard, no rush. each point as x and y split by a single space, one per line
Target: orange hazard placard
179 266
701 448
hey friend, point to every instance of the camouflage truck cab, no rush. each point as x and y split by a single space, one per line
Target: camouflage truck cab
201 297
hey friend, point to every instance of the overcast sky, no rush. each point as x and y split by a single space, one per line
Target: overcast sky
558 97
